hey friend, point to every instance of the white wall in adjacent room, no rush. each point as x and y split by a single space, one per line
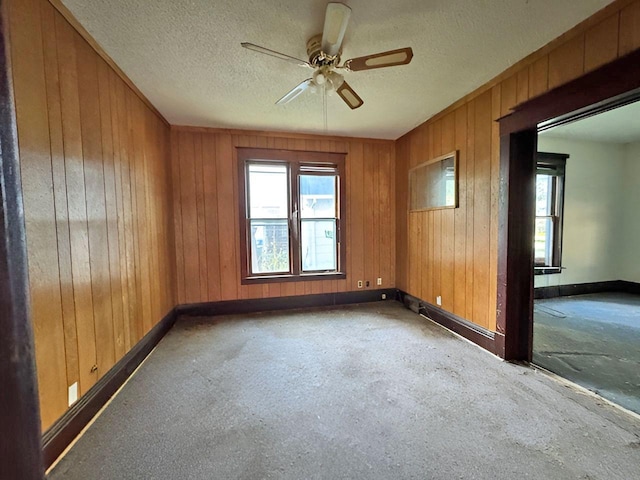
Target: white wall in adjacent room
629 239
593 211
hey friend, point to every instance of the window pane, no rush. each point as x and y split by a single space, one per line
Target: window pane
269 246
543 194
268 191
544 242
317 196
318 238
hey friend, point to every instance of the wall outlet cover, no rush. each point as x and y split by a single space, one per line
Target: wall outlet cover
439 300
73 393
379 281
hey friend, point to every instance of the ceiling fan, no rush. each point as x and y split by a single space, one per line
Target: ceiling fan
324 52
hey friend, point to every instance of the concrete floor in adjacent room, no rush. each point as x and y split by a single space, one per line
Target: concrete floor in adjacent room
360 392
594 341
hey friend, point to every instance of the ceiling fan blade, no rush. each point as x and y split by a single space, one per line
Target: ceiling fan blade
402 56
297 90
349 96
273 53
336 20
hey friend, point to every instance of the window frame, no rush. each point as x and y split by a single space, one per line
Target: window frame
294 159
554 165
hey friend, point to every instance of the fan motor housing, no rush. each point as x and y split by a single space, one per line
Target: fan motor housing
317 57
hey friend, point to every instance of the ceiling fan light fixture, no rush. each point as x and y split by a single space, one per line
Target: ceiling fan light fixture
319 77
336 80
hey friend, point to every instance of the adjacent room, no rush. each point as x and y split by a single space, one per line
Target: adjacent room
587 308
302 239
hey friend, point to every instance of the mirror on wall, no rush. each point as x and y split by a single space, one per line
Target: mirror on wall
434 184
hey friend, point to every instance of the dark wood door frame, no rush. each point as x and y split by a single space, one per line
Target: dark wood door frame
610 86
20 442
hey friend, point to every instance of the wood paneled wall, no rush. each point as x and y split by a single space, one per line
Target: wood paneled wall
95 172
453 253
206 213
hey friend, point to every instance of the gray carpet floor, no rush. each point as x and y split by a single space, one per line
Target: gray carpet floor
360 392
592 340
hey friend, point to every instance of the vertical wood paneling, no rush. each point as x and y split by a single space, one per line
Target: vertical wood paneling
460 215
77 207
601 43
508 91
470 207
629 29
447 261
111 210
95 198
402 221
539 77
227 234
357 208
566 62
94 162
522 93
369 230
211 216
482 209
120 225
60 193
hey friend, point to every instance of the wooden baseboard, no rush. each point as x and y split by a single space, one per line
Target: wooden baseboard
231 307
586 288
491 341
56 439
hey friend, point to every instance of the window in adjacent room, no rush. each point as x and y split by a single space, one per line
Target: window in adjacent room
550 174
291 208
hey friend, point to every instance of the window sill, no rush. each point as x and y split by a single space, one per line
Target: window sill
293 278
547 270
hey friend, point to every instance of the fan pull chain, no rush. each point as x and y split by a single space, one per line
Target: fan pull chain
324 107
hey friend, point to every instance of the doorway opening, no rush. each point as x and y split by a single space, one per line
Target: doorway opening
586 309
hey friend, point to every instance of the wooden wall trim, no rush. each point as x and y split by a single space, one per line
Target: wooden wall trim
57 438
73 21
20 447
278 134
515 243
530 59
611 286
491 341
255 305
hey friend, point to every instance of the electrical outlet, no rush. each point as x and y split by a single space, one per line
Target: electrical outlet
439 300
359 283
379 282
366 284
384 296
73 393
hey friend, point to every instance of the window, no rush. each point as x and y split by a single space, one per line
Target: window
549 209
291 208
434 184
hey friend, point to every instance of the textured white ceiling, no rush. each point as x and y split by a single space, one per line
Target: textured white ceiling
621 125
185 56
